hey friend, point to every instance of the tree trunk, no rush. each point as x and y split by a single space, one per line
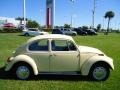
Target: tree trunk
108 26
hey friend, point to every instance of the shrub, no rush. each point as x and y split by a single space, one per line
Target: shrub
10 30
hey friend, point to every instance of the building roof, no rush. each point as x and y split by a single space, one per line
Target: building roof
50 36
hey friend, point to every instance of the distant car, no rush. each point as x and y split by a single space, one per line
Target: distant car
33 32
58 54
57 31
64 31
9 25
90 32
68 31
80 31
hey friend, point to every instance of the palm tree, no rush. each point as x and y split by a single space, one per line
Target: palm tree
20 19
109 15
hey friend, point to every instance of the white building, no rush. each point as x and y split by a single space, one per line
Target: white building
4 20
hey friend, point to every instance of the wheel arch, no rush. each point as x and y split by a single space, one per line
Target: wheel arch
24 59
85 69
27 34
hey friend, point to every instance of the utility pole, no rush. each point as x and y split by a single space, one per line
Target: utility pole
103 23
71 24
93 13
53 14
24 13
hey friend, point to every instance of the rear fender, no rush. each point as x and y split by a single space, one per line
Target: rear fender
22 58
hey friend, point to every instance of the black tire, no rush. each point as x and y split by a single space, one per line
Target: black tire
26 34
84 34
73 34
22 69
99 72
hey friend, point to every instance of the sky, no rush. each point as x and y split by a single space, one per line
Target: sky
64 9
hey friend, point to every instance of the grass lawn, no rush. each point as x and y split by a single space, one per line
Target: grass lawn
110 45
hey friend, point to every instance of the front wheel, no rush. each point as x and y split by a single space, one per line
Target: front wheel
99 72
23 71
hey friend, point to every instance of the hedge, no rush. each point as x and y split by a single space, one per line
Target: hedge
10 30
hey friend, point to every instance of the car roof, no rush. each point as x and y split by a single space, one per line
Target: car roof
50 36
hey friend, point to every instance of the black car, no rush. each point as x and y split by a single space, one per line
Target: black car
80 31
90 31
57 31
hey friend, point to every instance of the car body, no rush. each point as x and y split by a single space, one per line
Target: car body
58 54
90 31
80 31
57 31
33 32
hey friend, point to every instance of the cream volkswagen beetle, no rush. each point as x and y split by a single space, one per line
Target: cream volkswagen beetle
58 54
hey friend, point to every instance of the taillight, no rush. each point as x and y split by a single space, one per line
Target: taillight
101 54
8 60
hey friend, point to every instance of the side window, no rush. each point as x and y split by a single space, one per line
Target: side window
65 29
62 29
33 30
41 45
71 46
59 45
68 29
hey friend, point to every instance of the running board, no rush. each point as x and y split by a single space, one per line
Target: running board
60 73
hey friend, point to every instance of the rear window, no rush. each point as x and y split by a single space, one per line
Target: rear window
33 30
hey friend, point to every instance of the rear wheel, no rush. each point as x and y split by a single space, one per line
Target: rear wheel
23 71
73 34
26 34
99 72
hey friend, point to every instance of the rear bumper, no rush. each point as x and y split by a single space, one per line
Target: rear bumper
8 64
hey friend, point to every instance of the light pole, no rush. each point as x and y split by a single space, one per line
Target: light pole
71 24
103 23
53 22
72 19
24 13
93 13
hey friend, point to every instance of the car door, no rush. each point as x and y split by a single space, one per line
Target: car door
31 32
62 30
36 32
39 52
70 32
63 56
66 32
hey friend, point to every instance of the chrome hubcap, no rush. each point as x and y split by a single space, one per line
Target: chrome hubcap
22 72
99 73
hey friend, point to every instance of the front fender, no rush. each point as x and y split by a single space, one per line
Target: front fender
23 58
88 64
